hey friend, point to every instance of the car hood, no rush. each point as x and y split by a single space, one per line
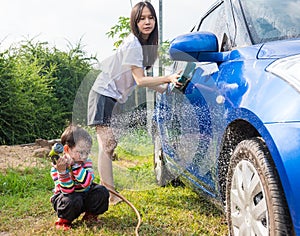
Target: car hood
279 49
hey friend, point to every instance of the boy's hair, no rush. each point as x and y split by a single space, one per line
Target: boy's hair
73 134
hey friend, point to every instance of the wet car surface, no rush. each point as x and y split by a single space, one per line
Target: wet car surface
233 132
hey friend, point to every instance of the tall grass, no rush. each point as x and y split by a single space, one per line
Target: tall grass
38 86
26 210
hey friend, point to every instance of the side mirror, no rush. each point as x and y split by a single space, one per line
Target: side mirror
195 46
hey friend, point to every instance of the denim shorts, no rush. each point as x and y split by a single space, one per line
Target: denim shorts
100 109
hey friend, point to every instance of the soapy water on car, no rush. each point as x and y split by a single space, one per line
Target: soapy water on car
186 125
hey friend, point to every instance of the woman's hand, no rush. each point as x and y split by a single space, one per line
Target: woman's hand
174 78
149 81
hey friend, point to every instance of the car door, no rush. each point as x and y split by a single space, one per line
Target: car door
192 120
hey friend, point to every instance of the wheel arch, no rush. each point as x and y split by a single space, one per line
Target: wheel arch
244 124
235 132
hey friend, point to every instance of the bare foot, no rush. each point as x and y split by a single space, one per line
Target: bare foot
114 200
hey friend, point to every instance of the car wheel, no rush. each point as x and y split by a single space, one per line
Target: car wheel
254 197
163 176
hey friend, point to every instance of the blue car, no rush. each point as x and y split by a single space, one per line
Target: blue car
232 130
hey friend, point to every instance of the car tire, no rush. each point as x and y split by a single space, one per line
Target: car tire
255 200
162 174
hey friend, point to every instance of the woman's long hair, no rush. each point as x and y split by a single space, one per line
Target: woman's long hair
150 46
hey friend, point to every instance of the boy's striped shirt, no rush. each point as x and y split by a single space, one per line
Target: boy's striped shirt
77 178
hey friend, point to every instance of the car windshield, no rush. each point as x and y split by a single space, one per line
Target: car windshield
270 20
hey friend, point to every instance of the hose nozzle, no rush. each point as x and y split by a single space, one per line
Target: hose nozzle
56 150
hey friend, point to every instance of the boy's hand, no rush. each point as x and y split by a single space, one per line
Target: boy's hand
61 164
77 164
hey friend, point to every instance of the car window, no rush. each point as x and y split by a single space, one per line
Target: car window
212 21
270 20
215 22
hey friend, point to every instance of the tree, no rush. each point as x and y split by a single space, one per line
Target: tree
120 31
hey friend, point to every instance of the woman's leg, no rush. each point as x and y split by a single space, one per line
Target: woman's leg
107 145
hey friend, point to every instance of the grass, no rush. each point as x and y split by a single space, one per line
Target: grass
26 210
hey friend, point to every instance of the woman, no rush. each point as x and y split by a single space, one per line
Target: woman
119 76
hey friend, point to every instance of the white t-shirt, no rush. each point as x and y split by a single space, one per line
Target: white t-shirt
115 79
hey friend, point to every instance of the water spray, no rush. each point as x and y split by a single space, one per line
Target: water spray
58 149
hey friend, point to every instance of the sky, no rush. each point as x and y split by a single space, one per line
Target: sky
62 23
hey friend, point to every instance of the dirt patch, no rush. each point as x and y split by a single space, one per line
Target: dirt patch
21 156
16 156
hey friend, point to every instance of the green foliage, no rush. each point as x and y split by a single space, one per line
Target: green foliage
38 86
81 99
136 142
164 53
120 30
26 210
25 183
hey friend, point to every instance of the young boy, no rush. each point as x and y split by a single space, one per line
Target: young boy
73 176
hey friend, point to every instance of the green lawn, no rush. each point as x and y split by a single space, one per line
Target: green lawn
26 210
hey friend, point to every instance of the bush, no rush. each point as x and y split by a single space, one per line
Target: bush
38 86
